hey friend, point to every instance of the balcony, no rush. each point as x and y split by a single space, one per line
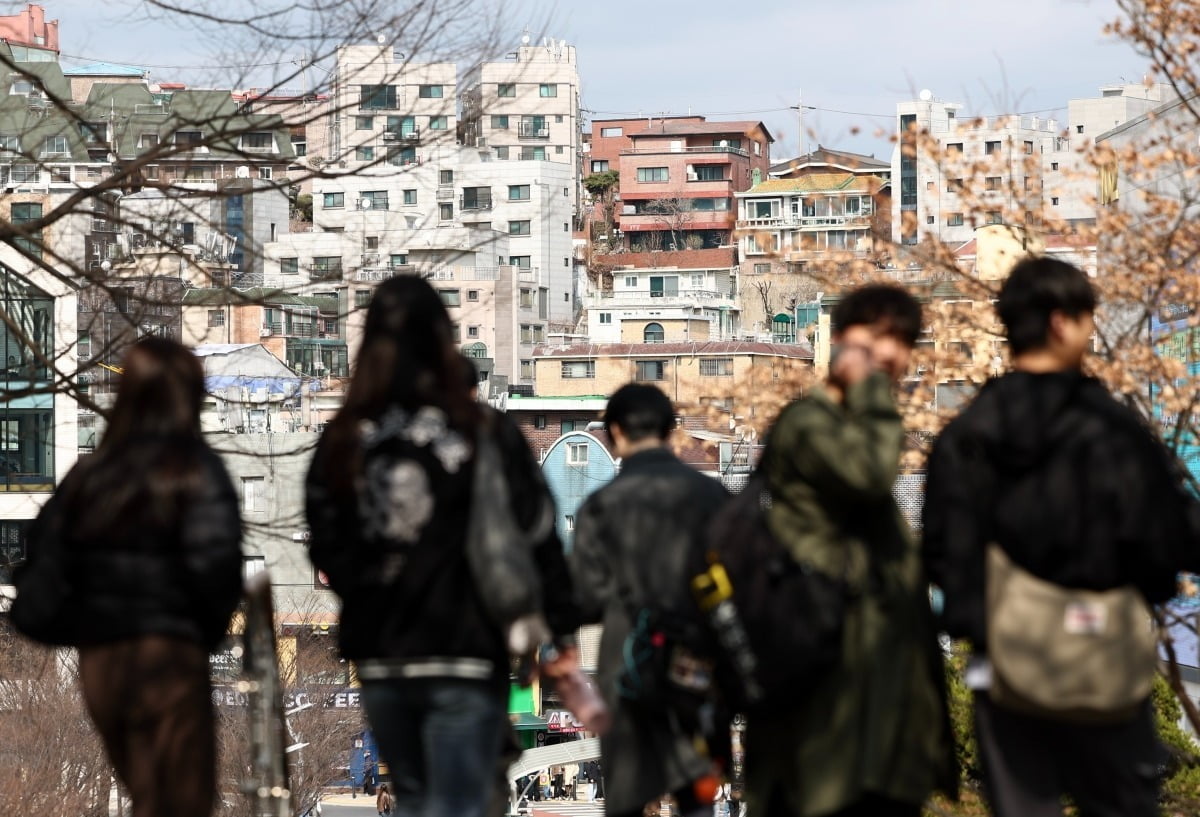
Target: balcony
530 130
692 149
791 222
100 225
476 203
413 135
326 272
653 300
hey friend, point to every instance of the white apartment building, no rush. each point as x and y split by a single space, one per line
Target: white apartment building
665 305
387 109
526 107
1032 170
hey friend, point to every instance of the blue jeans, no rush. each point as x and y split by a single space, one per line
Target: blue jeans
441 738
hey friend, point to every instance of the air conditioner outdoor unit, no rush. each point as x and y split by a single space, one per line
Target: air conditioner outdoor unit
265 332
242 172
480 141
370 258
543 133
412 134
693 176
388 136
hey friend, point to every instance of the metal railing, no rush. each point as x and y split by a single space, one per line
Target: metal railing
529 130
687 149
801 222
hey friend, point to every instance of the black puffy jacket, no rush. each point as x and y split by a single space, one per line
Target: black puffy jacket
1069 482
177 573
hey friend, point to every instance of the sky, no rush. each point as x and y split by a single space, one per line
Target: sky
730 60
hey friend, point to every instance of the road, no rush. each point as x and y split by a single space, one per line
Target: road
366 809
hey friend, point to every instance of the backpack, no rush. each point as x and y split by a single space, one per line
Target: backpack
777 622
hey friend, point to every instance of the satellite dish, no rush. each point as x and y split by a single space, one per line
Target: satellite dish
525 39
365 204
926 95
379 38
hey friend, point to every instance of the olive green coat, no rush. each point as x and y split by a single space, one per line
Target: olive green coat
878 723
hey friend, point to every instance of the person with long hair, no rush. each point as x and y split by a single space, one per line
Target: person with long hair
149 531
389 499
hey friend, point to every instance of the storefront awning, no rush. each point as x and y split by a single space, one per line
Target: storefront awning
527 720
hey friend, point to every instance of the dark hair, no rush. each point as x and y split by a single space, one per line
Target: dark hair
408 359
1036 288
887 307
640 411
149 461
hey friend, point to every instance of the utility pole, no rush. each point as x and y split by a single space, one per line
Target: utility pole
799 109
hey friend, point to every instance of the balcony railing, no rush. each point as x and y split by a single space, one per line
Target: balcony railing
530 130
804 222
327 272
688 149
100 225
477 203
686 297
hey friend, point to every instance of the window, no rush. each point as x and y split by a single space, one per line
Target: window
410 197
445 177
654 333
995 217
953 185
334 200
327 266
472 331
577 453
954 147
25 173
437 123
1079 128
12 547
450 297
762 268
631 281
546 90
954 220
606 317
518 227
1054 165
502 152
708 173
993 182
372 241
527 370
429 91
54 146
189 137
289 266
362 298
716 367
929 186
378 199
599 165
258 141
472 295
1054 201
216 317
520 261
610 132
578 369
533 154
929 219
500 122
398 259
265 173
526 298
518 192
649 370
1029 148
991 148
652 174
83 345
445 211
254 498
506 89
23 213
364 123
377 97
364 154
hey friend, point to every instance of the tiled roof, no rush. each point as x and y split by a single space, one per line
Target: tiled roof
712 347
668 127
825 156
819 183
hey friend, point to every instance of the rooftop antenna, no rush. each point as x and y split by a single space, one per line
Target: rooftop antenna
926 95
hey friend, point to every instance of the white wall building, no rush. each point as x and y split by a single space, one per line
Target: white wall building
1008 169
665 305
